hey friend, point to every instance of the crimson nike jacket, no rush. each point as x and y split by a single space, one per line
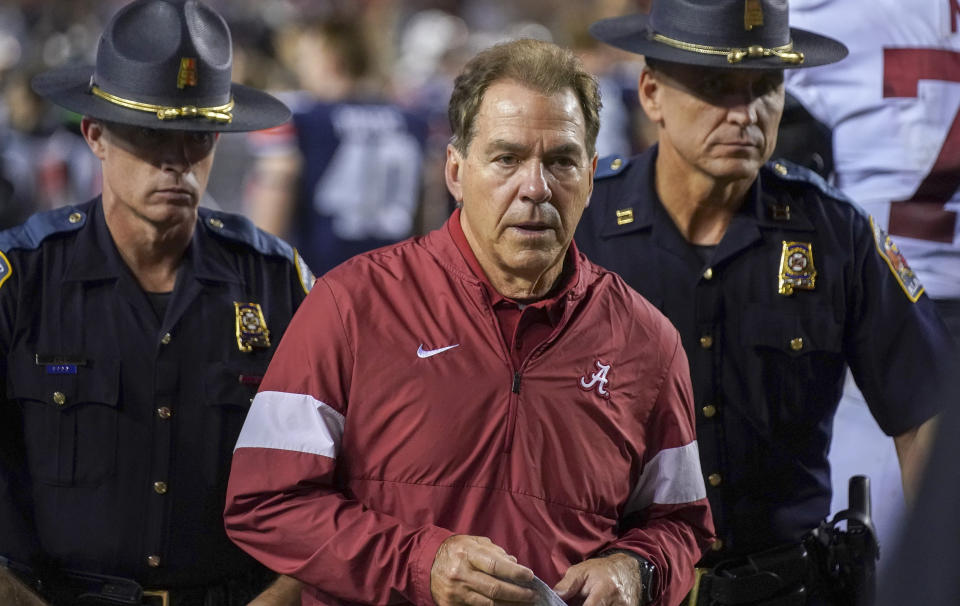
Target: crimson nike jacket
392 417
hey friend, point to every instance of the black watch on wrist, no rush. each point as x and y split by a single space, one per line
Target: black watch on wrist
647 572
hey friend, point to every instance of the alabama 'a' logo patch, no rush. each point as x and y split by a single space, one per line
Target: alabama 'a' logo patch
897 263
597 381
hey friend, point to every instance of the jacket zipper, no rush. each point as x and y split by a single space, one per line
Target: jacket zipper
512 411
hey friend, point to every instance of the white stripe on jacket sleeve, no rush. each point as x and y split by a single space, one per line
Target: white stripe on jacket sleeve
671 477
292 421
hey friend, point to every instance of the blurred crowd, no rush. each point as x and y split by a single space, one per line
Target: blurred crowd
398 52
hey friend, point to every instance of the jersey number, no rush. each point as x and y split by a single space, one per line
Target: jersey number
371 185
923 215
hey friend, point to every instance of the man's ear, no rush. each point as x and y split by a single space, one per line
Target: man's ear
452 173
649 91
93 133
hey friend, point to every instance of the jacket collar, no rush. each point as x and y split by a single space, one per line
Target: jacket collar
443 246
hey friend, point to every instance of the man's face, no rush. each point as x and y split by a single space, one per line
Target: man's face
525 179
722 122
157 175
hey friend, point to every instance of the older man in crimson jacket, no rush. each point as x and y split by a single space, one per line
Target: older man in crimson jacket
452 415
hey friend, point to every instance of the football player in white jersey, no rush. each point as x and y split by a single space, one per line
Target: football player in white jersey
893 106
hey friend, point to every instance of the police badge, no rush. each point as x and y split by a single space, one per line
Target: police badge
796 267
251 327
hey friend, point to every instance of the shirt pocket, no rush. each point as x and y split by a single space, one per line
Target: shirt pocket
230 388
796 363
70 421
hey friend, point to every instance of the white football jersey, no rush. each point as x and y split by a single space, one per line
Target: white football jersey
893 107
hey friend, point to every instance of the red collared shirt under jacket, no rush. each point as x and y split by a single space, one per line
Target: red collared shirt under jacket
392 417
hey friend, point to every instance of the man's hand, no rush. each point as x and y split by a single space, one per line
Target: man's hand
472 570
285 591
613 580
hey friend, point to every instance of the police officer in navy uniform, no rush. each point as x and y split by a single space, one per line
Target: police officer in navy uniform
775 281
135 329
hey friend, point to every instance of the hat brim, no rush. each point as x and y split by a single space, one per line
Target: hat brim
70 88
633 33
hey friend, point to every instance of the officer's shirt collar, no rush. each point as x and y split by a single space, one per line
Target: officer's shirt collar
95 255
761 208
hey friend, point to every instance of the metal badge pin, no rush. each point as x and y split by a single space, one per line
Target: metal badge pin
251 327
796 267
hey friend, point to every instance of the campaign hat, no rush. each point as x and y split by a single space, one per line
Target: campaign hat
736 34
163 64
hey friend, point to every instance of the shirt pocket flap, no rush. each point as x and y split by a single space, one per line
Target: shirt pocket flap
65 386
232 385
794 334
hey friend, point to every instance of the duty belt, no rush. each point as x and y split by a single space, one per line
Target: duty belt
777 577
828 566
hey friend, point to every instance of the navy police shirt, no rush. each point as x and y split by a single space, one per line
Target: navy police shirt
801 285
117 425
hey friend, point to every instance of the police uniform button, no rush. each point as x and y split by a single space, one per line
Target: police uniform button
215 223
59 398
715 479
153 561
706 341
166 339
708 274
796 344
616 164
709 410
164 412
780 168
75 218
717 545
160 487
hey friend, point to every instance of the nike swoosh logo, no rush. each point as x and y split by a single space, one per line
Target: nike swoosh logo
426 353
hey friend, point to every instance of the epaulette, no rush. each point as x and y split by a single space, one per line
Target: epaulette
40 226
788 171
238 228
609 166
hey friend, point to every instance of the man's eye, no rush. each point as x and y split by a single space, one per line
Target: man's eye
713 87
565 162
151 134
770 84
506 160
200 138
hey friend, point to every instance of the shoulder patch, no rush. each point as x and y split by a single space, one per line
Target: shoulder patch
609 166
240 229
5 269
303 270
897 263
40 226
788 171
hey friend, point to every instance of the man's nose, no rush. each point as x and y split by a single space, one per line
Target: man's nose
535 187
744 111
174 152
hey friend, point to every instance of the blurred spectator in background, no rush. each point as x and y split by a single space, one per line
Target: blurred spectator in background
413 49
892 106
356 158
43 157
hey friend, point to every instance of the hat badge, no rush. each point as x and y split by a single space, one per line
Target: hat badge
752 14
187 76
